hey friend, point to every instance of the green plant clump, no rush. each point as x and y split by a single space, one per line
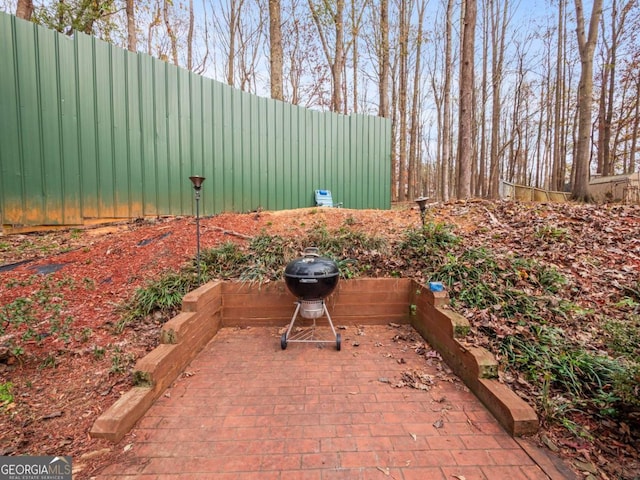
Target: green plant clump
163 295
592 380
6 394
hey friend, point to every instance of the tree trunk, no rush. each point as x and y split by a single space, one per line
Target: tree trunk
383 60
395 192
446 104
155 22
465 129
276 57
414 146
557 169
132 43
403 47
231 54
24 9
355 27
170 33
586 45
484 97
634 135
499 21
338 59
190 38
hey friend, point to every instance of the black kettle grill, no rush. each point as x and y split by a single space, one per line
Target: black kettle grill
311 278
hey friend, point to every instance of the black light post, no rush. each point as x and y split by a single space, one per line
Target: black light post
422 203
197 185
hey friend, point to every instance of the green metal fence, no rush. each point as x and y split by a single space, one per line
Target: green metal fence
92 131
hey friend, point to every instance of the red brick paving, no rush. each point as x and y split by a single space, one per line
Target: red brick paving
245 409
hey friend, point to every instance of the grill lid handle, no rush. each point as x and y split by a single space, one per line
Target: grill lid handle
311 252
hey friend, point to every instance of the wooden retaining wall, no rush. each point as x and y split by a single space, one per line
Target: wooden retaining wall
371 301
355 302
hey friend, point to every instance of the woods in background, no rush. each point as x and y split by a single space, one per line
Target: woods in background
478 91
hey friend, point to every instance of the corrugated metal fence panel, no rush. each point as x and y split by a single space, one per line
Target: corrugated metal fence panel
11 175
91 131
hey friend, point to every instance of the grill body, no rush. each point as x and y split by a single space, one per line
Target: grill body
311 278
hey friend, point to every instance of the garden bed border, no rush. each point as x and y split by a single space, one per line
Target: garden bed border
363 301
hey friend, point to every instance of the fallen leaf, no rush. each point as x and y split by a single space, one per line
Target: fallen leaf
95 453
384 470
438 423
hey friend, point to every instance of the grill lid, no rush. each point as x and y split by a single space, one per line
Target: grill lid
311 277
311 265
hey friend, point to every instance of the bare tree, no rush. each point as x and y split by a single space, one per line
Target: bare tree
607 101
465 129
276 55
446 103
499 20
190 37
249 41
233 20
356 21
403 79
383 60
559 161
155 22
306 77
414 142
481 184
170 31
336 57
636 128
586 47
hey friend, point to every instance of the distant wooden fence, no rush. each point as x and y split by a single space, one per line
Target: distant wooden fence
89 131
532 194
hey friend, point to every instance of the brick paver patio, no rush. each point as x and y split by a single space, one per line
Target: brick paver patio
246 409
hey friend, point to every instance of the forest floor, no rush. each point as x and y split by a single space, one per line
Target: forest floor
63 361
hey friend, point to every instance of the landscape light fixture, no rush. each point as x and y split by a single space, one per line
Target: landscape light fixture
197 186
422 204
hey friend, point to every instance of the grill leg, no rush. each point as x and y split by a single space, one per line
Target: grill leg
326 312
293 320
